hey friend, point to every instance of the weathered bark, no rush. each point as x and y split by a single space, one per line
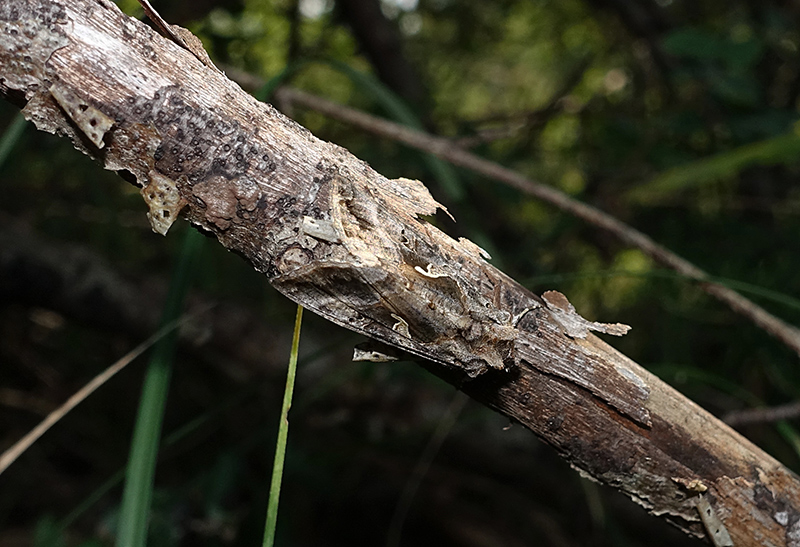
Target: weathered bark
337 237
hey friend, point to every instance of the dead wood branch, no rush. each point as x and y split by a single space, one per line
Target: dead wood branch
449 151
337 237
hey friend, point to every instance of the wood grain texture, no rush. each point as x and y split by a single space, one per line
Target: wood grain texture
334 235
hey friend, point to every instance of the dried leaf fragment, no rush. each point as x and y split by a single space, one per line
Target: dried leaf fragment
715 529
573 324
90 120
374 352
692 485
320 229
164 201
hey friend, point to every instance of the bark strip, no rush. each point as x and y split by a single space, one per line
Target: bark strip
332 234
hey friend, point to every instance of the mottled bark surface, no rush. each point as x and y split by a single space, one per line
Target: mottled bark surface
332 234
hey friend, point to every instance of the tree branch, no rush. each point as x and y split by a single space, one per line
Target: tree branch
332 234
456 155
789 411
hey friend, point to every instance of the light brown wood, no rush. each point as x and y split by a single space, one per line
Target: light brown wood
334 235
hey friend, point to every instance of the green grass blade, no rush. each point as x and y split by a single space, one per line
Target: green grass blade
789 434
443 429
264 93
776 150
171 439
283 433
138 492
11 136
186 429
96 495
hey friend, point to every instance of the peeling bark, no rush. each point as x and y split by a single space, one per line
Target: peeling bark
332 234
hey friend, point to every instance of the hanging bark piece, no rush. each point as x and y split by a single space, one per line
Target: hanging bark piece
574 325
91 121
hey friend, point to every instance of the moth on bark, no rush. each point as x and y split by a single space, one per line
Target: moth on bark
383 272
370 264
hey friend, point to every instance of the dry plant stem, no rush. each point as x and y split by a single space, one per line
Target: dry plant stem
763 415
448 151
345 242
17 449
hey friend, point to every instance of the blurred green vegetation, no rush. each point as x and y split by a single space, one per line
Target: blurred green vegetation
677 117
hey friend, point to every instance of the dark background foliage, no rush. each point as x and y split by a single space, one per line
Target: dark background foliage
678 117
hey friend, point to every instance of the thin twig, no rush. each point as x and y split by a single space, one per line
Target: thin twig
763 415
516 122
17 449
446 150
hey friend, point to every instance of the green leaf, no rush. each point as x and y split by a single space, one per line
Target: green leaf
693 44
781 149
706 47
138 493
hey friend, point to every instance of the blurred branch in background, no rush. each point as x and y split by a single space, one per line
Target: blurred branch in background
518 122
789 411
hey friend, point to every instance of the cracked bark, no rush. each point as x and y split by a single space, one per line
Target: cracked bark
332 234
